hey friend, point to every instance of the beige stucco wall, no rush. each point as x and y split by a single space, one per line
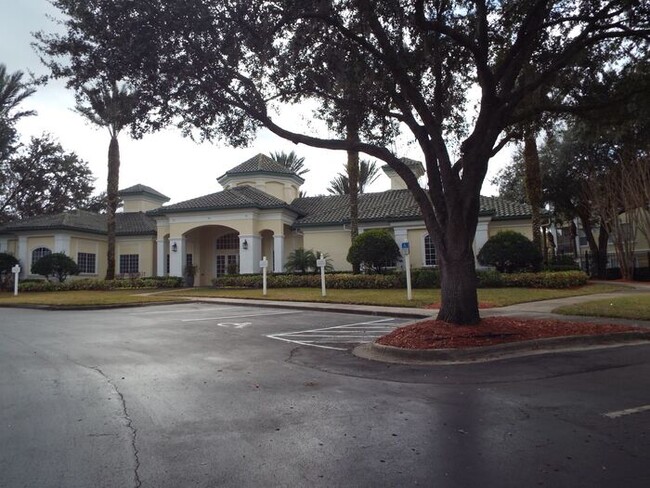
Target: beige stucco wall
143 246
416 243
335 242
140 203
93 245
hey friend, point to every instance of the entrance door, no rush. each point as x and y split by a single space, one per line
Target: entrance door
227 263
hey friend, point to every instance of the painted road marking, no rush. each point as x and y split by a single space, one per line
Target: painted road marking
628 411
234 325
357 332
239 316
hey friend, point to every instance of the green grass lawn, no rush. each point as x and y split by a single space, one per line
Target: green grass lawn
627 307
82 298
495 297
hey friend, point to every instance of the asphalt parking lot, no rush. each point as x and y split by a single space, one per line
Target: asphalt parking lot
216 395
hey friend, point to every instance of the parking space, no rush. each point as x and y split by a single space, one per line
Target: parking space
324 330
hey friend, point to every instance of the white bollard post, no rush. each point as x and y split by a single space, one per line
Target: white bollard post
406 251
16 271
264 264
321 263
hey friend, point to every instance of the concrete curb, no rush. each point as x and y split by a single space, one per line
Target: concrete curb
91 307
390 354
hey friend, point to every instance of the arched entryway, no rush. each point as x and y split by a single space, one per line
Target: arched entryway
213 250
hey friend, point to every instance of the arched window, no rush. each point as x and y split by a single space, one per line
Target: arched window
40 252
228 241
429 252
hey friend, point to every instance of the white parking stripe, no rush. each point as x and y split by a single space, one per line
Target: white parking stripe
306 343
338 334
239 316
628 411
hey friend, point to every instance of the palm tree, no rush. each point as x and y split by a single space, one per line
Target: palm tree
290 161
368 173
111 106
12 92
302 260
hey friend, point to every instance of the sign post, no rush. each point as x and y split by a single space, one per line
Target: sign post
264 264
16 271
406 252
321 263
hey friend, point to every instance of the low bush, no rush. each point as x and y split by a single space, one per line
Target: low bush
91 284
489 278
420 278
564 279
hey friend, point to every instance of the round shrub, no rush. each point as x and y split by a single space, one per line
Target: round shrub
56 264
375 249
509 251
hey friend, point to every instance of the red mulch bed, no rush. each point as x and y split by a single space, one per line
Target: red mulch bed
436 334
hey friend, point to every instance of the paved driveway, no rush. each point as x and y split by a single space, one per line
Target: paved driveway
214 395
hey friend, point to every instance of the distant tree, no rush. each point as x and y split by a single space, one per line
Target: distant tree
290 161
57 264
13 91
368 173
43 179
374 249
510 251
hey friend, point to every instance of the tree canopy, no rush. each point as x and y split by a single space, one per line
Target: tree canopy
43 179
224 68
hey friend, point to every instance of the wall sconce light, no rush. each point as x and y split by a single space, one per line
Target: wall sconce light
244 245
174 247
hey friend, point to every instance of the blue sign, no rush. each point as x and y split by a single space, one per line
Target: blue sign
405 245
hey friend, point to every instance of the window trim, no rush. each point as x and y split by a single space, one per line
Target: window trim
94 259
424 252
129 257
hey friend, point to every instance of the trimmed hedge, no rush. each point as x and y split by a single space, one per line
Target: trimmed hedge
101 285
564 279
420 278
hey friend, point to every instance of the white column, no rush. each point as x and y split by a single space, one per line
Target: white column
23 255
161 258
481 236
278 253
176 259
4 244
62 244
401 235
249 258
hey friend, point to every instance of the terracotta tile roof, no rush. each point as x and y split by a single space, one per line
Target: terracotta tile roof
392 205
140 189
131 223
237 197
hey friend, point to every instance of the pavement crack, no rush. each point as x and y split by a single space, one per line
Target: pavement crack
129 425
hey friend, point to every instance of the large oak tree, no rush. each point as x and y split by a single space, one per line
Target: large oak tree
224 67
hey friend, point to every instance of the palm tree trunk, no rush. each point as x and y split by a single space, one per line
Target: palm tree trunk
533 185
112 198
353 180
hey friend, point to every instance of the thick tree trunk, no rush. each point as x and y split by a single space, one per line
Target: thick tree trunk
112 199
533 185
353 180
459 299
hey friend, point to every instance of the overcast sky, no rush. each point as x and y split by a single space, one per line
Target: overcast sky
165 161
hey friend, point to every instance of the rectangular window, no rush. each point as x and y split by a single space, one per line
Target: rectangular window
129 263
167 265
87 262
429 252
188 260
